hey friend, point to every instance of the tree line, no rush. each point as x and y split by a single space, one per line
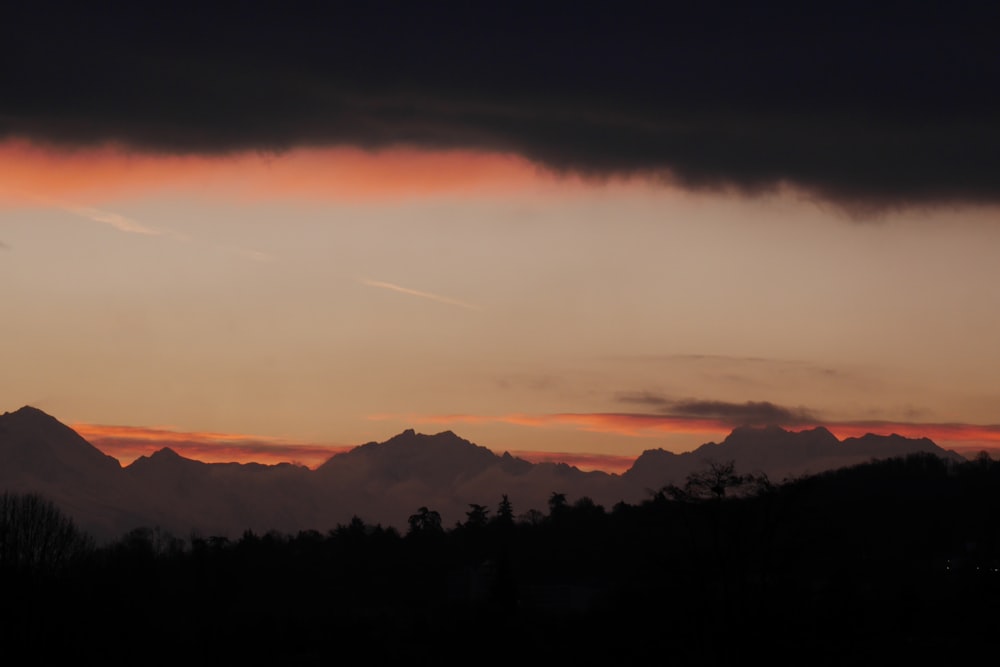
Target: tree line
850 564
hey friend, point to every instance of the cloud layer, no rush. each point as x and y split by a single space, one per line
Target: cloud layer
867 107
751 413
127 443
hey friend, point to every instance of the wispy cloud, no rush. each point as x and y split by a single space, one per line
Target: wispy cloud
251 254
418 293
119 222
129 226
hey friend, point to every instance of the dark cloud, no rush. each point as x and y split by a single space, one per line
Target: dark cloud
865 104
646 398
752 413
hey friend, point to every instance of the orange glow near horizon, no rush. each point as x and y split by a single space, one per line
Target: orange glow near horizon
626 424
966 437
31 174
128 443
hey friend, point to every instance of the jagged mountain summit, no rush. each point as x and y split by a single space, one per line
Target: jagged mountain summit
35 442
447 473
379 482
778 453
39 454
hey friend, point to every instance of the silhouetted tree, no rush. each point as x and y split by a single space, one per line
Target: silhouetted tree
557 504
532 517
841 563
36 536
505 511
476 516
425 521
154 542
717 481
355 528
586 504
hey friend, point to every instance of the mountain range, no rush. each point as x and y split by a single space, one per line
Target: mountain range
379 482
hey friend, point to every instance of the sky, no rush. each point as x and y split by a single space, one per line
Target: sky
570 231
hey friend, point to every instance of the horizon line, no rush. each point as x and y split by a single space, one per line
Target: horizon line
127 444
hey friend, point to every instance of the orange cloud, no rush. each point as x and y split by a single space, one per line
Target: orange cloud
127 443
30 173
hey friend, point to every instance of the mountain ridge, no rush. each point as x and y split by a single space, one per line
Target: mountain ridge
379 482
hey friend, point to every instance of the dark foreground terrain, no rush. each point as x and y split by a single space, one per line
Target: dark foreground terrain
888 561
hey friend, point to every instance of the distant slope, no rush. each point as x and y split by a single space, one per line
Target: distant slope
185 495
39 454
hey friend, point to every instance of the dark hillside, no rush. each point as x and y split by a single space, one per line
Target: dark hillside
889 560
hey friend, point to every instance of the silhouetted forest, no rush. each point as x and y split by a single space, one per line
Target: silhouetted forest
891 560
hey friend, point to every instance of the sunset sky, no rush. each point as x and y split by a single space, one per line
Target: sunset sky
266 235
